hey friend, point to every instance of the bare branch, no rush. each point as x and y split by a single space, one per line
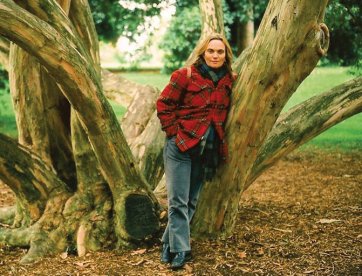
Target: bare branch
307 120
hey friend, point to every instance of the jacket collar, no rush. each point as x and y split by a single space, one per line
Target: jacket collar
227 80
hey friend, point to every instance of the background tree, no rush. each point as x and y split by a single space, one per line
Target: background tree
181 37
345 21
113 19
242 20
111 203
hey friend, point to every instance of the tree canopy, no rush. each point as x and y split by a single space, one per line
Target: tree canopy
343 17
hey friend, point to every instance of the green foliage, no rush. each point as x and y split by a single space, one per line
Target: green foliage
180 38
344 20
244 10
113 19
185 28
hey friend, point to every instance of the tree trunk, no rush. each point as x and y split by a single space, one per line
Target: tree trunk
267 79
31 180
50 37
245 30
245 35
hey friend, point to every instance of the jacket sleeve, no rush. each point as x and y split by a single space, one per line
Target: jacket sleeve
169 100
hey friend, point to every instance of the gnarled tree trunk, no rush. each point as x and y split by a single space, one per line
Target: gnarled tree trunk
68 49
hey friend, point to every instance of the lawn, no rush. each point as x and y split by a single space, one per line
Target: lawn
347 134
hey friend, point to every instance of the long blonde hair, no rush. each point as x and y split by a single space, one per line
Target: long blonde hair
201 48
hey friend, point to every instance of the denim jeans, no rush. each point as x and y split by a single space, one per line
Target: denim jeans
183 181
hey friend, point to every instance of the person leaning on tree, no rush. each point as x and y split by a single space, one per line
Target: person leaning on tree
192 110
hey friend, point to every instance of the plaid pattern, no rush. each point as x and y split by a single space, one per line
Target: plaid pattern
187 106
209 153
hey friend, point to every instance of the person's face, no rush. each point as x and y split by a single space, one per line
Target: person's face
215 54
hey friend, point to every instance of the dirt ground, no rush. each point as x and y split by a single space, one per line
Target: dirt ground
302 217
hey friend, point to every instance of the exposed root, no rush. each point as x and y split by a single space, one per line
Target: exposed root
15 237
7 215
45 244
81 235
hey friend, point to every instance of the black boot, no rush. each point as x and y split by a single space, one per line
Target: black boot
180 259
166 255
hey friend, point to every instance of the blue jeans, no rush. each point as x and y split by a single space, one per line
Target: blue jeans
183 181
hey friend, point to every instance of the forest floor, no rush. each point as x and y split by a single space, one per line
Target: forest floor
302 217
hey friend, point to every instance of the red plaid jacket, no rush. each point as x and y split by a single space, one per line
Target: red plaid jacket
188 105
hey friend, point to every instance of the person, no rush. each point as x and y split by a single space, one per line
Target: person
192 110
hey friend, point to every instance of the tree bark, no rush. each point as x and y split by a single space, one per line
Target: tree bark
31 180
134 121
147 149
267 79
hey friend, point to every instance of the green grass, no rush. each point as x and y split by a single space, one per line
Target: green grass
7 115
345 135
320 80
118 109
153 79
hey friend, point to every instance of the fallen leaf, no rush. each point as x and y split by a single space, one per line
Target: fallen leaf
83 264
283 230
242 255
188 268
140 262
260 251
138 252
325 221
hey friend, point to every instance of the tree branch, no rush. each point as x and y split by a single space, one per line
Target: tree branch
4 52
307 120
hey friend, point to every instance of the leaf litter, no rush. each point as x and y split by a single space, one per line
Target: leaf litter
301 217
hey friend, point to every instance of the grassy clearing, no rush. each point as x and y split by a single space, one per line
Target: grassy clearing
346 135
